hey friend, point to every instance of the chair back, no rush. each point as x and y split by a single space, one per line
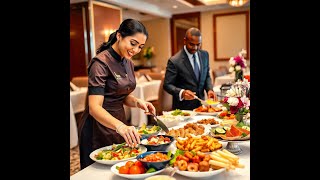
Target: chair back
155 75
80 81
165 99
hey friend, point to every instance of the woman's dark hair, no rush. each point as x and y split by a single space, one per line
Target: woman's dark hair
128 27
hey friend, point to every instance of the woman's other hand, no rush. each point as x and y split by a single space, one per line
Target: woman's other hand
130 135
146 106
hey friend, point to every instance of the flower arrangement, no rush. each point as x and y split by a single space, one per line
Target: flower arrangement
236 102
238 64
148 52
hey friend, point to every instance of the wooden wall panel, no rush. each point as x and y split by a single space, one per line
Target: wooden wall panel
105 18
77 40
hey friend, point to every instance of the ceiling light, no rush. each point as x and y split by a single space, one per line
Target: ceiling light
174 7
237 3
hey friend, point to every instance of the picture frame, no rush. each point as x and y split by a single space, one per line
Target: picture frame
230 35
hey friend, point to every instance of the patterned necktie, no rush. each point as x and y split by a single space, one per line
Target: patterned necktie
196 68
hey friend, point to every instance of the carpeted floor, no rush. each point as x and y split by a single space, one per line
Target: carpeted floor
74 160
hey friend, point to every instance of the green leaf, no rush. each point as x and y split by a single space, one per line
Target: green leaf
243 134
169 154
119 146
176 154
240 124
117 167
150 170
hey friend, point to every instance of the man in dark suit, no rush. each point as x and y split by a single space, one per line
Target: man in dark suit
187 73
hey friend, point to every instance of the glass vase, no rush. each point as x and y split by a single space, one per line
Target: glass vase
238 75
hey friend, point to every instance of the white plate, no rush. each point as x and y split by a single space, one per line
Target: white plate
110 162
132 176
207 113
206 129
192 114
200 174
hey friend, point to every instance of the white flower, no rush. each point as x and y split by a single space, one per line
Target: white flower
233 101
242 52
231 69
224 108
238 67
232 62
245 101
230 93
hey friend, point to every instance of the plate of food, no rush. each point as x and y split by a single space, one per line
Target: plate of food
146 131
133 169
199 143
203 165
208 110
170 120
225 115
211 102
116 153
190 128
231 133
199 174
211 122
183 114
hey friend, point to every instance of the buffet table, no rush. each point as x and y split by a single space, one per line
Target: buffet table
148 91
98 171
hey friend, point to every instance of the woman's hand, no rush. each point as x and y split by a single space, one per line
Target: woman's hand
130 135
146 106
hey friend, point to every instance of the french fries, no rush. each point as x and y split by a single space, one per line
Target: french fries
203 144
224 159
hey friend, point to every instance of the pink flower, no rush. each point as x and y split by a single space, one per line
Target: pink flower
239 61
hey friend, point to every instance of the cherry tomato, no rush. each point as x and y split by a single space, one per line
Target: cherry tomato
135 170
124 170
138 163
142 169
129 164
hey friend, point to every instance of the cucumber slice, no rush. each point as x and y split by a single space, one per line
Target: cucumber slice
219 131
246 128
226 128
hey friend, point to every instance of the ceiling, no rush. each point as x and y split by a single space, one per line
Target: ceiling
150 9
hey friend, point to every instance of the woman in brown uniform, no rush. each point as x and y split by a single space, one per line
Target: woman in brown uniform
111 80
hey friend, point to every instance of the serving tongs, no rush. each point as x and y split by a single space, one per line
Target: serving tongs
159 122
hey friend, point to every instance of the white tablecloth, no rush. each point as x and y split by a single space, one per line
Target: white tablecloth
77 104
73 128
98 171
226 78
78 99
147 91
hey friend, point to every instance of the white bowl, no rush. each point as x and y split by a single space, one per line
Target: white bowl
170 120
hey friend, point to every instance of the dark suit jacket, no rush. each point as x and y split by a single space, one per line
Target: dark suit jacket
180 75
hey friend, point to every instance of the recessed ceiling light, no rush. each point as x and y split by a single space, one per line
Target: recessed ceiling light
174 7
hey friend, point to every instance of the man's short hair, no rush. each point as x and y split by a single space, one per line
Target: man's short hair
193 32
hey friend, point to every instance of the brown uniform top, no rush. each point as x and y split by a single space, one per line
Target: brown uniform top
112 77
